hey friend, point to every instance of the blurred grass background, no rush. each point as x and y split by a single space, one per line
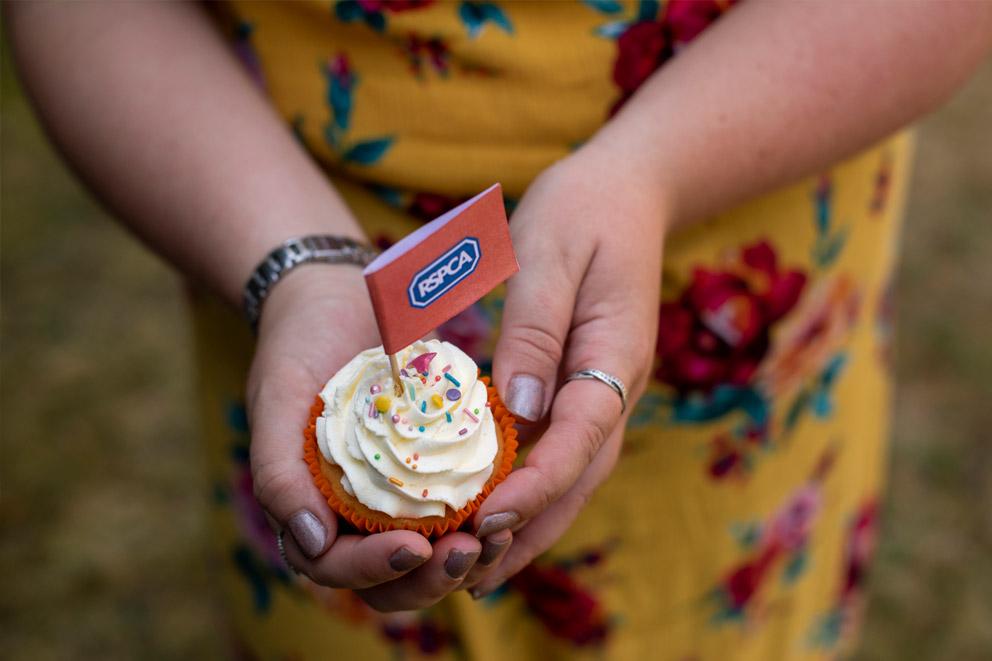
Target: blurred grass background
100 453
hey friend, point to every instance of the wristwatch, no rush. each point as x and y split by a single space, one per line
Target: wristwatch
325 249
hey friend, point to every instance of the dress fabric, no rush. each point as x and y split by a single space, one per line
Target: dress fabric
740 519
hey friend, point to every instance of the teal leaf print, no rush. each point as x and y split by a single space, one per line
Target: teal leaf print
829 244
368 152
795 567
475 15
350 11
612 30
605 6
647 10
827 248
721 401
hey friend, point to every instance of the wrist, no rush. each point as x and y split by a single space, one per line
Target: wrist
622 173
332 290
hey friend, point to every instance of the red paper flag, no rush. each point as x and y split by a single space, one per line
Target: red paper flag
439 270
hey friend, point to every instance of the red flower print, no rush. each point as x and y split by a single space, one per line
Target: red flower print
745 580
640 47
468 330
394 6
860 548
561 604
434 49
687 18
792 524
428 206
717 331
254 528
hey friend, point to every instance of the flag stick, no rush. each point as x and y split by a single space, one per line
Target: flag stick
397 384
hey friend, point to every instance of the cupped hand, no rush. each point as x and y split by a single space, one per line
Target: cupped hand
589 242
315 321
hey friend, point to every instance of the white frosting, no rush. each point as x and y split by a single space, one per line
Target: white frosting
422 450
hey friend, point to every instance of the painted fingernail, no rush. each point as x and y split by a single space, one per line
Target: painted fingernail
493 545
496 522
458 563
403 559
525 397
309 533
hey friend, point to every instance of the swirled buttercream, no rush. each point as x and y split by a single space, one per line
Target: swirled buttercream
412 455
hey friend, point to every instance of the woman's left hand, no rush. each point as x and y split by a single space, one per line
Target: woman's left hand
588 236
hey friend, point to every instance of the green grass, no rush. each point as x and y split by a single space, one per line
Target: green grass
100 449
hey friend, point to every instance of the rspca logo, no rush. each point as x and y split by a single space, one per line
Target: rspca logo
441 275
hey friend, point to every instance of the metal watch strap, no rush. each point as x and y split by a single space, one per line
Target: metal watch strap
325 249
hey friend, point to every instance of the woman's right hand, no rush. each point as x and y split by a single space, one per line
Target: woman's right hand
315 321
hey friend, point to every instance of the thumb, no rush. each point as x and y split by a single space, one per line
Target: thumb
283 485
536 318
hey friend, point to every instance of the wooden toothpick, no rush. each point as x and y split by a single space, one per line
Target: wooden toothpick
395 367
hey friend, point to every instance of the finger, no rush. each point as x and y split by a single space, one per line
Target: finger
612 333
539 534
583 415
282 482
454 555
536 317
494 547
356 561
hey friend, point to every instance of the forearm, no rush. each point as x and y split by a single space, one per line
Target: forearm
776 91
157 116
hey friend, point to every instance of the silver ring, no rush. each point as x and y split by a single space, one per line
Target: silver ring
282 551
608 379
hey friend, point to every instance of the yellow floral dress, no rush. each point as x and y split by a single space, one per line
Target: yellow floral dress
740 519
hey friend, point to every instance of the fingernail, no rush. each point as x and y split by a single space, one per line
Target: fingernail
458 563
403 559
525 397
493 545
496 522
308 532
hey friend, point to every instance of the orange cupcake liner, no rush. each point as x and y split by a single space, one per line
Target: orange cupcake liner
372 521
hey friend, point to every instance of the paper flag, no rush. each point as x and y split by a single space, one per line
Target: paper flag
439 270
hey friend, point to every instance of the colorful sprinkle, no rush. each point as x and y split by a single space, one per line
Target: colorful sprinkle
395 481
414 467
377 456
447 416
367 399
422 428
416 456
424 493
410 428
446 368
487 405
423 406
462 431
413 395
396 419
383 403
375 389
477 411
423 380
453 380
453 394
422 362
436 400
408 460
403 373
372 410
436 379
470 416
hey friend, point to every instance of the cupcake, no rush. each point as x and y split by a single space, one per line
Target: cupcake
421 461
